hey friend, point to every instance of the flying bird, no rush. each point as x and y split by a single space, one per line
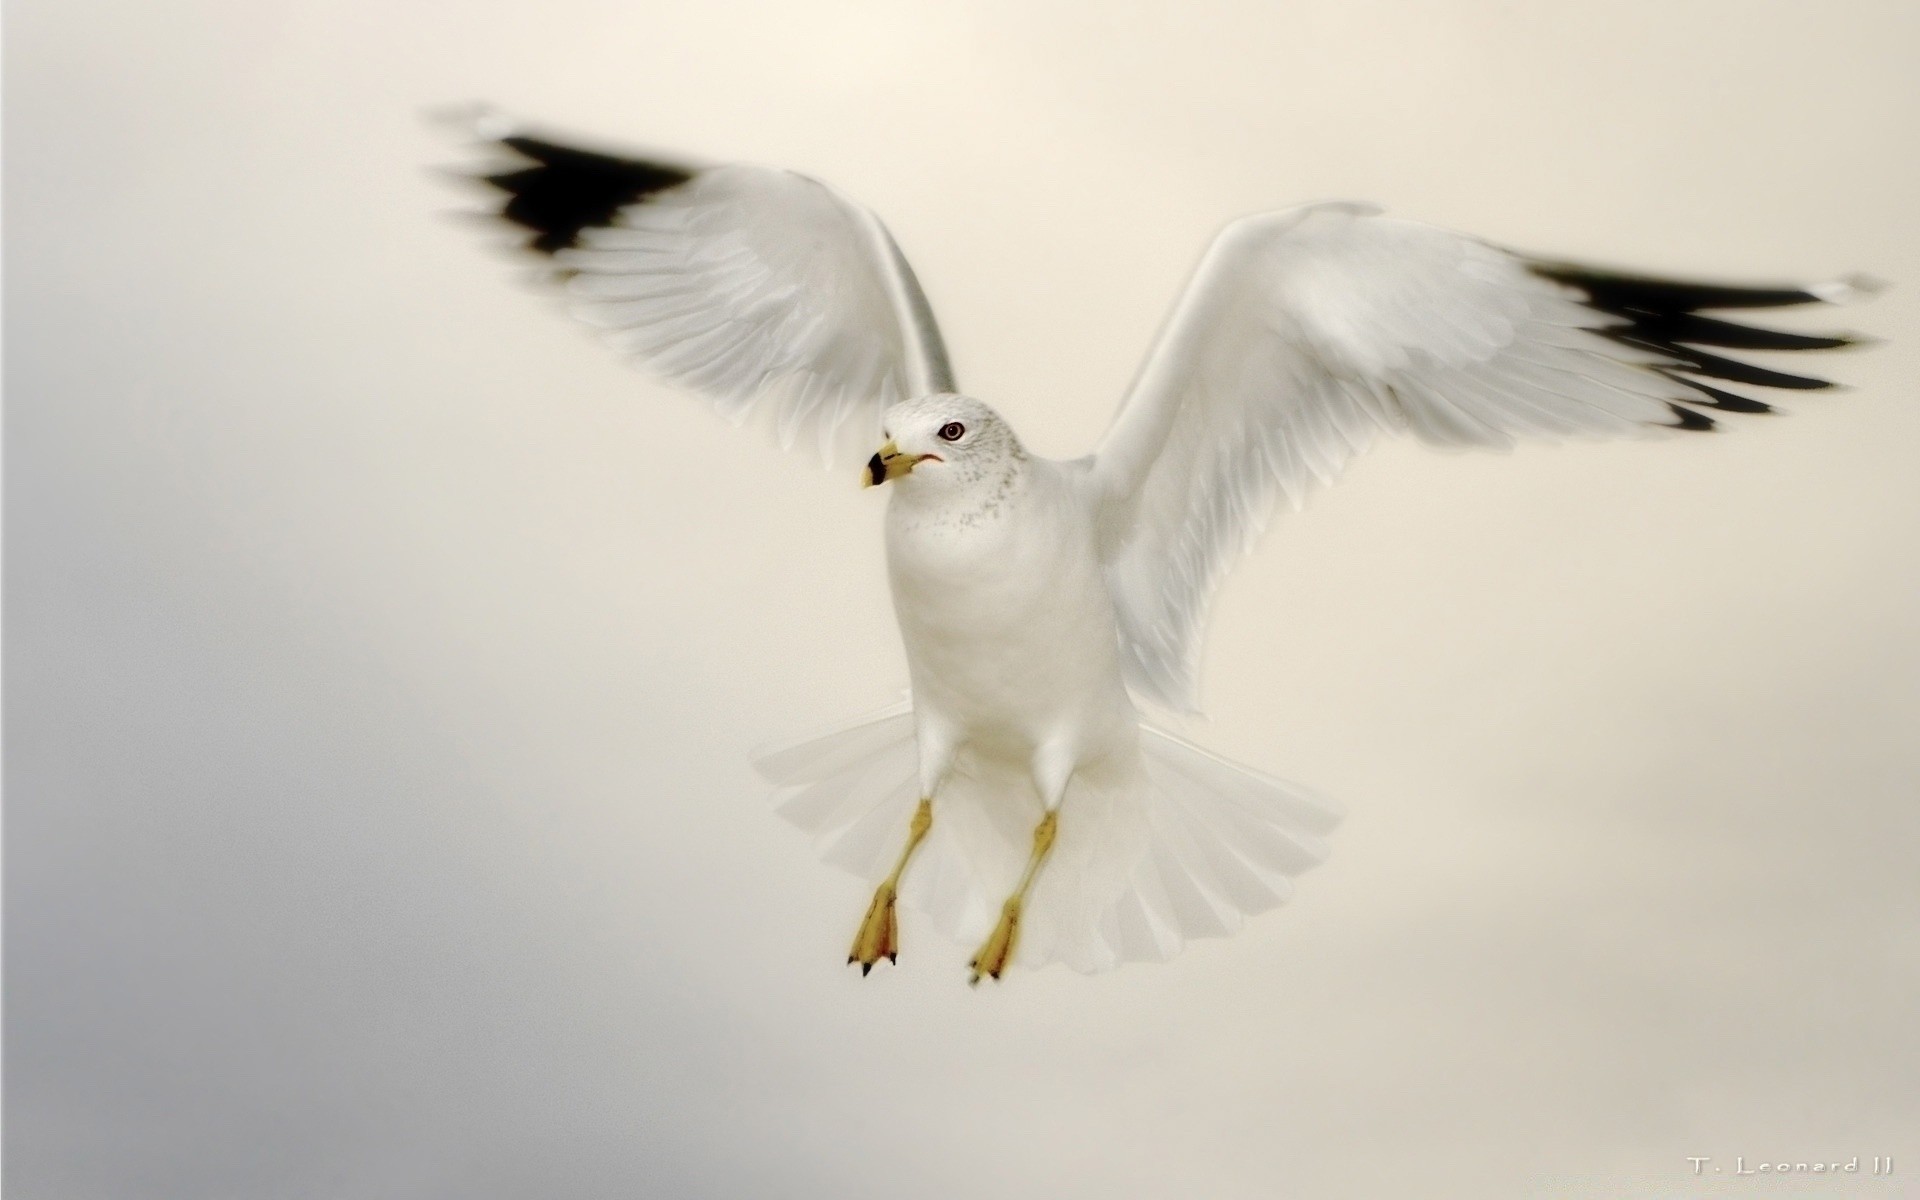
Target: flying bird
1019 797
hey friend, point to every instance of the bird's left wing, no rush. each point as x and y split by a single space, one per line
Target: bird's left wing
764 290
1305 332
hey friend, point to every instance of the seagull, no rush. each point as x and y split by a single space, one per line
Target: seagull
1019 797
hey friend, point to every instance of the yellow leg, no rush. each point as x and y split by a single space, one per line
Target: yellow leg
997 950
879 935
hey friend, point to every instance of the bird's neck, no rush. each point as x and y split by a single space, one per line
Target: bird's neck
967 502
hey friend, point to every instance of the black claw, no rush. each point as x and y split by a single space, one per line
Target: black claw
894 958
864 968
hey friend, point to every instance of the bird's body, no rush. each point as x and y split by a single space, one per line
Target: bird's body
1011 643
1020 795
1005 617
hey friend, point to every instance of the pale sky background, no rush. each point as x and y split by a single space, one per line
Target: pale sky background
384 657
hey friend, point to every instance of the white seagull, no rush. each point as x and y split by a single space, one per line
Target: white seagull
1018 797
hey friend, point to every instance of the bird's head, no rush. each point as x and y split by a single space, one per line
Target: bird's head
943 441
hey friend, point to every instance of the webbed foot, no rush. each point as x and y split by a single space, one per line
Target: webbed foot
994 953
879 935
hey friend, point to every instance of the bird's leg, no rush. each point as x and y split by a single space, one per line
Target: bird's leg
994 953
879 935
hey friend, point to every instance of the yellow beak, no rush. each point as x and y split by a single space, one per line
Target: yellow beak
889 463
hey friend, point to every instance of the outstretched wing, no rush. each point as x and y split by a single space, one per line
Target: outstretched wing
1306 332
767 292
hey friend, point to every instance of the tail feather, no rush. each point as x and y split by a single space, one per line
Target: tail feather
868 845
1236 883
837 748
1195 847
1260 793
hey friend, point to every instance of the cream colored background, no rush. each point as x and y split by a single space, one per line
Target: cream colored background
384 656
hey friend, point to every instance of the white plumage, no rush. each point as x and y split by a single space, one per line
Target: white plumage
767 292
1221 842
1038 600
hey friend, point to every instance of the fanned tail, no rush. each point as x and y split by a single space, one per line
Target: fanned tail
853 789
1227 842
1189 850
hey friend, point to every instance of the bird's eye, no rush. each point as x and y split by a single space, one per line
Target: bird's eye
952 431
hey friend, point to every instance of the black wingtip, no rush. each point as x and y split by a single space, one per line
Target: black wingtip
1725 401
1614 291
565 190
1663 316
1716 366
1695 330
1690 420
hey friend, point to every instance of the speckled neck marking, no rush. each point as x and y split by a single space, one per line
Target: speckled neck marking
978 497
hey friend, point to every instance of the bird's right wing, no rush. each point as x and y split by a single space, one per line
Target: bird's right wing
764 290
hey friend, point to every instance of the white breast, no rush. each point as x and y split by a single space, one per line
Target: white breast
1005 614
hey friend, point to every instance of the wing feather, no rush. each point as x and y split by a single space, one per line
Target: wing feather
1305 333
775 297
